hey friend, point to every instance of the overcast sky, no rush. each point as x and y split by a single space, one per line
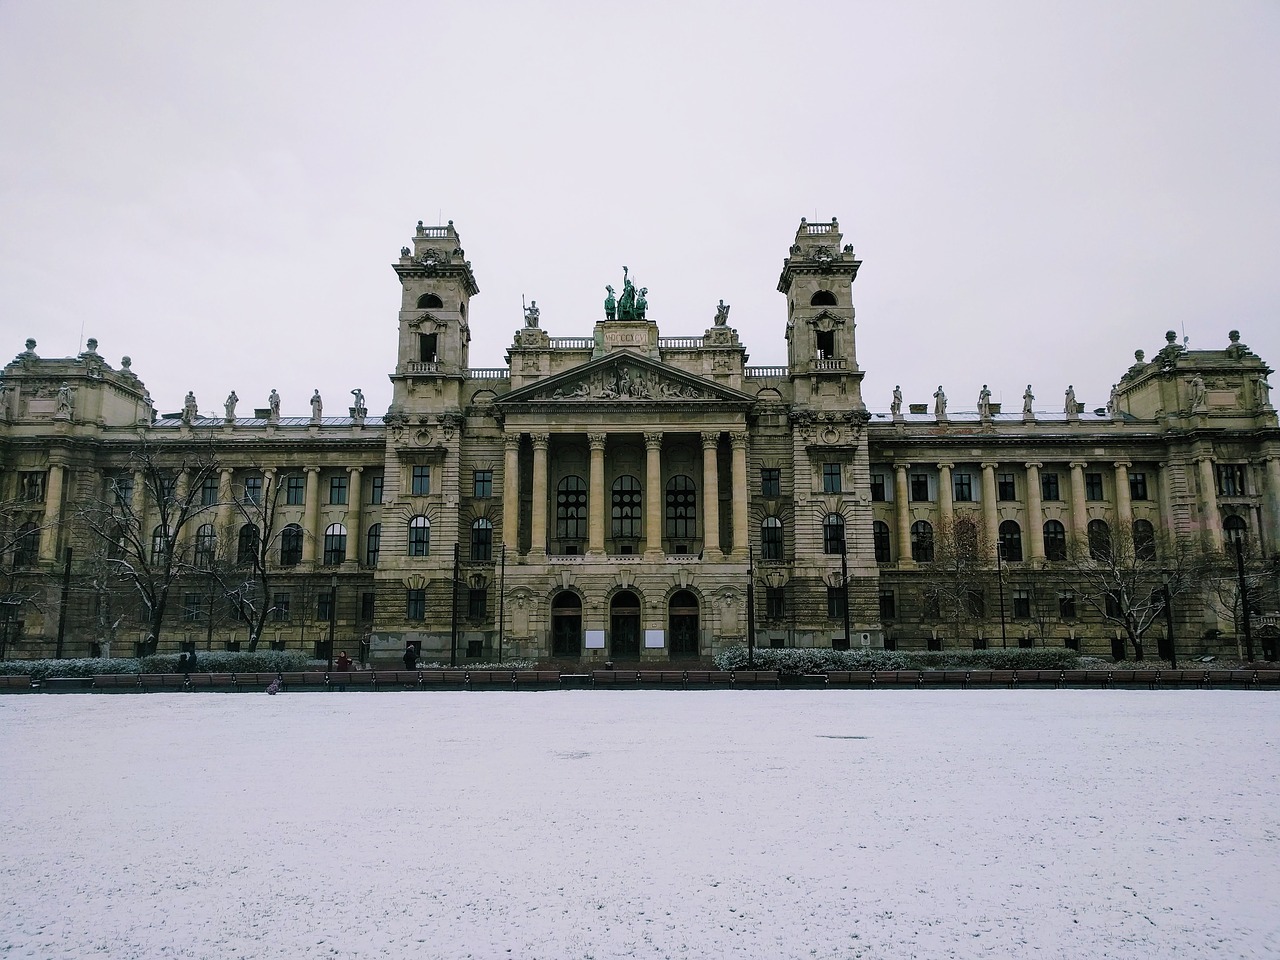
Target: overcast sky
1035 189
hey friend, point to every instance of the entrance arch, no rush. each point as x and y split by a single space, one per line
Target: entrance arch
682 625
566 625
624 626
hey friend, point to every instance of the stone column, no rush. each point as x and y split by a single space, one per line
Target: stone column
1079 519
52 512
1272 522
223 521
138 502
353 515
181 537
538 538
511 492
989 517
1035 513
902 513
1209 504
311 516
1124 506
653 496
946 493
710 496
741 495
595 496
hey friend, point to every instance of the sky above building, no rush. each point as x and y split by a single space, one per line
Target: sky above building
1035 190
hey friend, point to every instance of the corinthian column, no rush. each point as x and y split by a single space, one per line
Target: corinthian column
740 495
52 512
1035 514
653 496
511 492
538 541
1079 520
902 513
595 496
989 518
710 496
353 515
311 516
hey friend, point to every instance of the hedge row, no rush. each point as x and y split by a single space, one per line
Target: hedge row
794 661
262 661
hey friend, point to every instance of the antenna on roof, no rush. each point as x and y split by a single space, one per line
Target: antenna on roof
1185 338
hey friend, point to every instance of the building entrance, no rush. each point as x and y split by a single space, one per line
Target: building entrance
682 625
624 626
566 625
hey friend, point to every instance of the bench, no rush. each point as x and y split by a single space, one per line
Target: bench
1268 678
20 683
396 680
615 678
897 678
1077 678
707 678
535 679
1182 678
944 678
992 678
1241 678
342 679
443 679
207 681
255 682
491 679
754 678
300 680
851 678
117 682
664 678
162 681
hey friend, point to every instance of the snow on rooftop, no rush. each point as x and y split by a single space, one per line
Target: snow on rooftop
815 824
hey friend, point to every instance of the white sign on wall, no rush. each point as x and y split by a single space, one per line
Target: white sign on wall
595 639
655 639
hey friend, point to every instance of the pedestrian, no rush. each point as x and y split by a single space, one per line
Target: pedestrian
182 663
344 662
410 657
191 660
274 687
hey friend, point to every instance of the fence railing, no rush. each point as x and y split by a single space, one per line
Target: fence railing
759 372
571 343
488 373
680 343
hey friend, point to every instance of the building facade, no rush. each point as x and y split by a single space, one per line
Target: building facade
620 495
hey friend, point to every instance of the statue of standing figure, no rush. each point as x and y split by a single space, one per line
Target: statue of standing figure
627 302
189 412
357 401
64 401
984 403
317 407
230 405
1197 393
895 407
1070 406
273 402
642 303
1027 399
940 403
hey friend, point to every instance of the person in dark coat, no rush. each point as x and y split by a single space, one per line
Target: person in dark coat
344 662
410 657
191 661
183 666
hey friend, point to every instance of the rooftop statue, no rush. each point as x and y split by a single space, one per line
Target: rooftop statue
531 314
722 314
632 304
895 407
189 411
610 305
230 405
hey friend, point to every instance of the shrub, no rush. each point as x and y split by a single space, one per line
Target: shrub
228 661
794 661
83 667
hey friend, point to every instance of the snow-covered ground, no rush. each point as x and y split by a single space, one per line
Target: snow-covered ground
841 824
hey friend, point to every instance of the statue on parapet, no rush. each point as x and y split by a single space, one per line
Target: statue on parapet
317 407
722 313
189 411
610 304
895 407
230 405
627 302
1027 399
531 314
64 401
1070 407
642 303
940 403
357 403
984 403
273 403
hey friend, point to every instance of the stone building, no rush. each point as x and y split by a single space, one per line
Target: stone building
612 495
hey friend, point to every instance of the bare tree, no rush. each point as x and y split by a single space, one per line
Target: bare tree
144 531
1223 581
22 582
1124 577
956 576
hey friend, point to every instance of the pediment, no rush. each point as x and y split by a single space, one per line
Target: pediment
625 378
826 321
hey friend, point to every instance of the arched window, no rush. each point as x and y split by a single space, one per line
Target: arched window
1011 540
481 541
1144 540
419 537
771 539
159 545
880 538
428 301
922 541
1055 540
206 545
823 298
26 547
571 509
247 547
1099 540
1235 528
335 544
682 508
373 545
291 545
626 507
833 533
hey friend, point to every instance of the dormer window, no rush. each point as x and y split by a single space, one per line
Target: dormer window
430 301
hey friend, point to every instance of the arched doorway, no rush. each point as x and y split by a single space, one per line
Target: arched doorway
566 625
624 626
682 625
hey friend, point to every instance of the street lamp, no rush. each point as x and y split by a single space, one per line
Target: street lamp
1000 583
751 607
333 615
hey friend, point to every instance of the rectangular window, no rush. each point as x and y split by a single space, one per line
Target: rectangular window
482 483
775 602
831 478
932 606
477 603
427 348
253 489
1093 486
962 483
192 608
878 490
1111 603
975 603
208 491
1006 489
1066 605
1049 489
280 607
888 605
420 483
338 490
1021 604
1137 486
1231 480
31 486
835 603
122 487
770 483
324 606
826 344
919 486
366 607
295 491
415 604
375 488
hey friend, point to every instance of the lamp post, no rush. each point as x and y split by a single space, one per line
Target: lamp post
751 607
1168 625
844 586
453 608
333 615
1244 598
1000 586
502 599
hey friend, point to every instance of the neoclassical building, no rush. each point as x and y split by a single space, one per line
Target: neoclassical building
614 495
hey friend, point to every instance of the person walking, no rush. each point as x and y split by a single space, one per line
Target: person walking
410 657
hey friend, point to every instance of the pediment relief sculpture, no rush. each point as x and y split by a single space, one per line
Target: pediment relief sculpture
625 382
